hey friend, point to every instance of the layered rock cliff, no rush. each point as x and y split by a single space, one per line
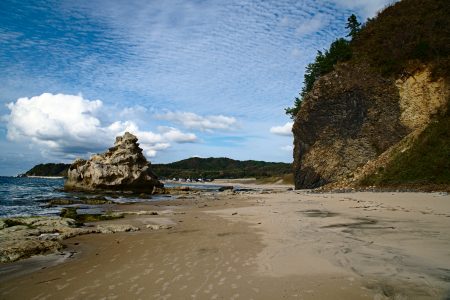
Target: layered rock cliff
123 167
356 119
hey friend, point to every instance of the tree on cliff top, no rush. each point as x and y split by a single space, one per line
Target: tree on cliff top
324 62
353 26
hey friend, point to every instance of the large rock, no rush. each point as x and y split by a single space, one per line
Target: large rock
123 168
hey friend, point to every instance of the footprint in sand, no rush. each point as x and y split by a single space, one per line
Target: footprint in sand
222 280
133 287
164 297
62 286
165 286
139 290
159 280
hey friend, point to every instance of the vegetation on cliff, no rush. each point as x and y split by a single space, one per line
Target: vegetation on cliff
193 168
324 63
358 114
425 163
403 35
50 169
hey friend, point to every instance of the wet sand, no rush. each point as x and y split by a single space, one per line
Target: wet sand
271 245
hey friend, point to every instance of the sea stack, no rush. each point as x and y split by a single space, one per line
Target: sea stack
122 168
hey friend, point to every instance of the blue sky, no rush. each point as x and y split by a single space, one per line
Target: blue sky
190 78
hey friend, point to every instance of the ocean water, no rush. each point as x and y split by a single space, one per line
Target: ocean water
29 196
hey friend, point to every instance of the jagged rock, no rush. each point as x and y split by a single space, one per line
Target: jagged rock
123 167
157 227
113 228
24 237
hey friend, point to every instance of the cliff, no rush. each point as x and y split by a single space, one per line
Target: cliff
360 121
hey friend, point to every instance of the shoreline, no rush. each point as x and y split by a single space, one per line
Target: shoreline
279 243
44 177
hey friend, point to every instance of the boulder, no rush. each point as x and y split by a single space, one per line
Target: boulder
122 168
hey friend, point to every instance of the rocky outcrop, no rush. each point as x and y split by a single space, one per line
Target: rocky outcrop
122 168
24 237
349 117
354 116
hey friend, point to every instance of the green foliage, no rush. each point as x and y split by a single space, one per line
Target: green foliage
50 169
213 168
405 32
71 213
353 26
324 63
426 162
293 111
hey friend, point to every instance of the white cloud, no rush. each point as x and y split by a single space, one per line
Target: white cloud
296 52
286 129
312 25
69 125
203 123
288 148
368 8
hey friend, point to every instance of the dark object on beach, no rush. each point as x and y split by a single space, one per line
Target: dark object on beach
71 213
224 188
88 201
122 168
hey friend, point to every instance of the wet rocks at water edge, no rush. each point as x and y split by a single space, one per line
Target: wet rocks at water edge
122 168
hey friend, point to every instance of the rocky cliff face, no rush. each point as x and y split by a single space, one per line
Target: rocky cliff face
122 167
353 116
381 117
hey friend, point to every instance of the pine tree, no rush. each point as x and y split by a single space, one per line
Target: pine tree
353 25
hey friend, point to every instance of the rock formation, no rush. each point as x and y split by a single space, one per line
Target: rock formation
27 236
353 115
122 168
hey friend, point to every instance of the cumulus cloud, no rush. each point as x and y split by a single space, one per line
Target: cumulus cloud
368 8
204 123
68 125
286 129
288 148
312 25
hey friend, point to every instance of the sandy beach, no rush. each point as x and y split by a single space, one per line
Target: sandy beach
268 243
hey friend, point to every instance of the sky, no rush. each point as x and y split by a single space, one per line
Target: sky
189 78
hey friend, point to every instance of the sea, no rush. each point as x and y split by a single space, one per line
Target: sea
25 196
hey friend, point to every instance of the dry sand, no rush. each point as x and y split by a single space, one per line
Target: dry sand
271 245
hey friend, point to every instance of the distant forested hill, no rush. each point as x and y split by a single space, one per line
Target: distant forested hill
49 169
192 168
222 167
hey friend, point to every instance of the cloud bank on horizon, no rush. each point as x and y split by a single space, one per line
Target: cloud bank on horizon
207 78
